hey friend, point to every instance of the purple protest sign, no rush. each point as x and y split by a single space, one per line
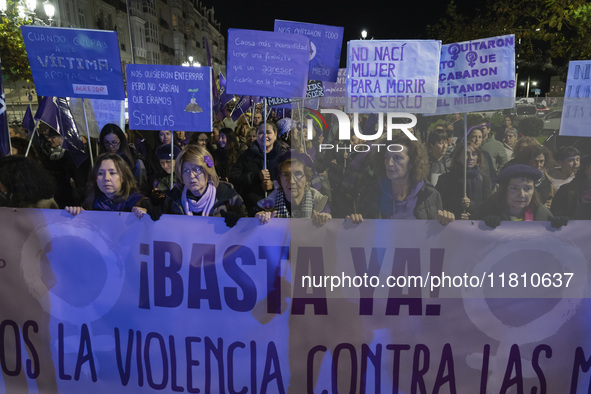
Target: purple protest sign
80 63
169 97
267 64
325 47
335 92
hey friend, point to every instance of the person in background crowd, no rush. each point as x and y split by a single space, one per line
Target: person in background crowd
568 159
494 148
478 183
112 140
475 137
203 194
228 122
164 136
112 187
25 184
215 134
509 125
436 148
240 132
249 175
574 198
227 153
200 138
295 198
181 139
257 119
166 159
401 191
516 199
509 140
251 136
537 157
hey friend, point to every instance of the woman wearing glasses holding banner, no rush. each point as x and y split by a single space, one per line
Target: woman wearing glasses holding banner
203 194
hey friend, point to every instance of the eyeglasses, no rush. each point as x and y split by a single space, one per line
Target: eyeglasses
195 170
298 175
114 144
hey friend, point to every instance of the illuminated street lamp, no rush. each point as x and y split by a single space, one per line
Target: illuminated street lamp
363 34
49 10
529 81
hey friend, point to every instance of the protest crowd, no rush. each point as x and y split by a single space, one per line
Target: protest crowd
263 166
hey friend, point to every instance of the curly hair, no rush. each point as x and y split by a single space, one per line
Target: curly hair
417 154
198 155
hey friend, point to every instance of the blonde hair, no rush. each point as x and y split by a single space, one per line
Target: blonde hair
196 154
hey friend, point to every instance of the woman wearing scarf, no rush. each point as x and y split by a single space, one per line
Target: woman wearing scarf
401 191
451 185
516 199
295 198
112 187
202 193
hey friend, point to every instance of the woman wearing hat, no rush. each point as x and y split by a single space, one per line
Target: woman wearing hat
516 198
574 199
202 193
295 198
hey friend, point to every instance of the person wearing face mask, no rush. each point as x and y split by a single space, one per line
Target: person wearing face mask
451 184
295 198
516 199
200 192
112 187
252 177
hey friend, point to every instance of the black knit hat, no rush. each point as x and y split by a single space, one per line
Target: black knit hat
518 171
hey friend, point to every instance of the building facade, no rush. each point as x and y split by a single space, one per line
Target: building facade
162 32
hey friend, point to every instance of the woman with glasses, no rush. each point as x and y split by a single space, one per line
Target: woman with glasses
113 140
203 194
295 198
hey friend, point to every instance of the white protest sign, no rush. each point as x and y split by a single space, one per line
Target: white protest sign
477 75
392 76
576 112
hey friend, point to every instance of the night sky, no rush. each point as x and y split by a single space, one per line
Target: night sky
405 19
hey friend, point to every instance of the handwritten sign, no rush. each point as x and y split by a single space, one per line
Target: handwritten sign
80 63
477 75
335 92
325 47
576 112
169 97
267 64
392 76
314 89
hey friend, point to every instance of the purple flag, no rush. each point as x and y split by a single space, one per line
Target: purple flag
225 98
28 121
55 111
4 132
241 107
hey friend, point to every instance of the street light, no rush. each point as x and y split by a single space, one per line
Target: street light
363 34
529 81
49 10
